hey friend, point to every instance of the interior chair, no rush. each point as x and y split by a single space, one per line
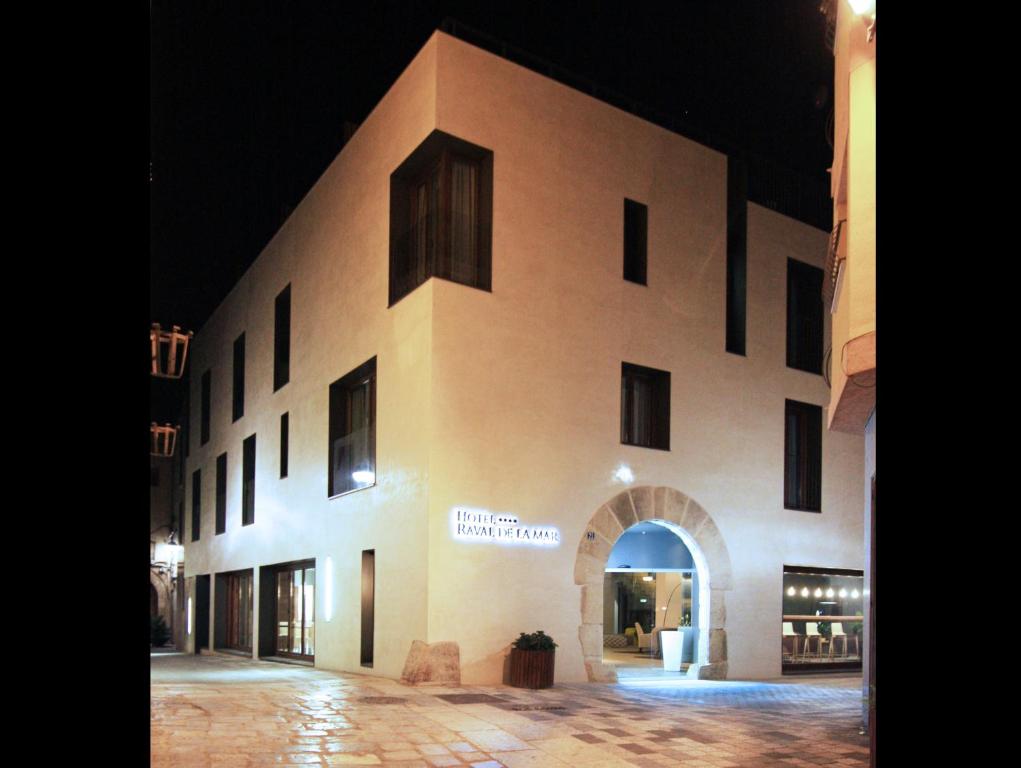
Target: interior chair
812 630
644 639
788 631
838 632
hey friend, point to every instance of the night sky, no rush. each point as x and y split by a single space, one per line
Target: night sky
248 101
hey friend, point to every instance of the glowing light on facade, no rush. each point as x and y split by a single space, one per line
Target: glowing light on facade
328 589
624 474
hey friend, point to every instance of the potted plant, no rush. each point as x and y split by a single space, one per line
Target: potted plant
531 660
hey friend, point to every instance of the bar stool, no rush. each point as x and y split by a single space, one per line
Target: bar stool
838 631
812 630
788 631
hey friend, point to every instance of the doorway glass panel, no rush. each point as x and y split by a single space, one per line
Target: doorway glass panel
309 628
296 611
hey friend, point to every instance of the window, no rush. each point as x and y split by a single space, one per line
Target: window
645 407
823 614
248 481
206 387
441 203
221 493
737 253
239 377
353 430
368 605
282 339
804 317
196 504
636 217
235 628
802 469
284 428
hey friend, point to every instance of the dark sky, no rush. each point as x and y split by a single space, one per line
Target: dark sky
248 101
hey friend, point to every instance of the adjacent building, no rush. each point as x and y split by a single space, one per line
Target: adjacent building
509 324
851 266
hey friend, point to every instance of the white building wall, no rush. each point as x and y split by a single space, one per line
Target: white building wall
510 400
527 379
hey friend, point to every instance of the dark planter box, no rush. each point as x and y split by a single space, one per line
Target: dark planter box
531 669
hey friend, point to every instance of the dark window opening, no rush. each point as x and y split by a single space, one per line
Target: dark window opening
248 481
196 504
645 407
284 437
206 388
636 222
441 212
239 378
804 317
802 457
368 605
282 339
737 254
221 493
353 430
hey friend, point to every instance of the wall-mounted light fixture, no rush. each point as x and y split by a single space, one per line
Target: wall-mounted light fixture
867 10
328 589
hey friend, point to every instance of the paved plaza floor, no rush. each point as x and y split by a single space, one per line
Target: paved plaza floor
220 710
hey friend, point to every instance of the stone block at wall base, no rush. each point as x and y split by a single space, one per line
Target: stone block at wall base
436 663
716 671
600 673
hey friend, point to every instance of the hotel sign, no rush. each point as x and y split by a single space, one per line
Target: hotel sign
480 525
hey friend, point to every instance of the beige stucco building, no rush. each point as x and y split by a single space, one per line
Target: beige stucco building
504 398
852 262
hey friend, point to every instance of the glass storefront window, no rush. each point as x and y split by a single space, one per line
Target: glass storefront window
822 619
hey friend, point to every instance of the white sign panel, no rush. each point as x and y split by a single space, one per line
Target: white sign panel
480 525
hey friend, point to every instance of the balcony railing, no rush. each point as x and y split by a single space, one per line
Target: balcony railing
163 439
169 351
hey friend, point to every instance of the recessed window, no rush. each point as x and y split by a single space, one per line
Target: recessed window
804 317
802 471
441 204
221 493
284 438
207 386
239 378
737 254
353 430
248 481
196 505
282 339
645 407
636 222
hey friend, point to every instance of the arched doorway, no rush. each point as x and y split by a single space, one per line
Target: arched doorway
688 520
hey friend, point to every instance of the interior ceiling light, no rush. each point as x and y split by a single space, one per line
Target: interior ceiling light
842 593
804 592
647 578
818 592
791 591
830 592
854 593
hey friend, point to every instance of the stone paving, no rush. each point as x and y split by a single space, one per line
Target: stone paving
226 711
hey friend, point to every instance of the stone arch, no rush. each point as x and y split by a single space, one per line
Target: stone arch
163 589
685 517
